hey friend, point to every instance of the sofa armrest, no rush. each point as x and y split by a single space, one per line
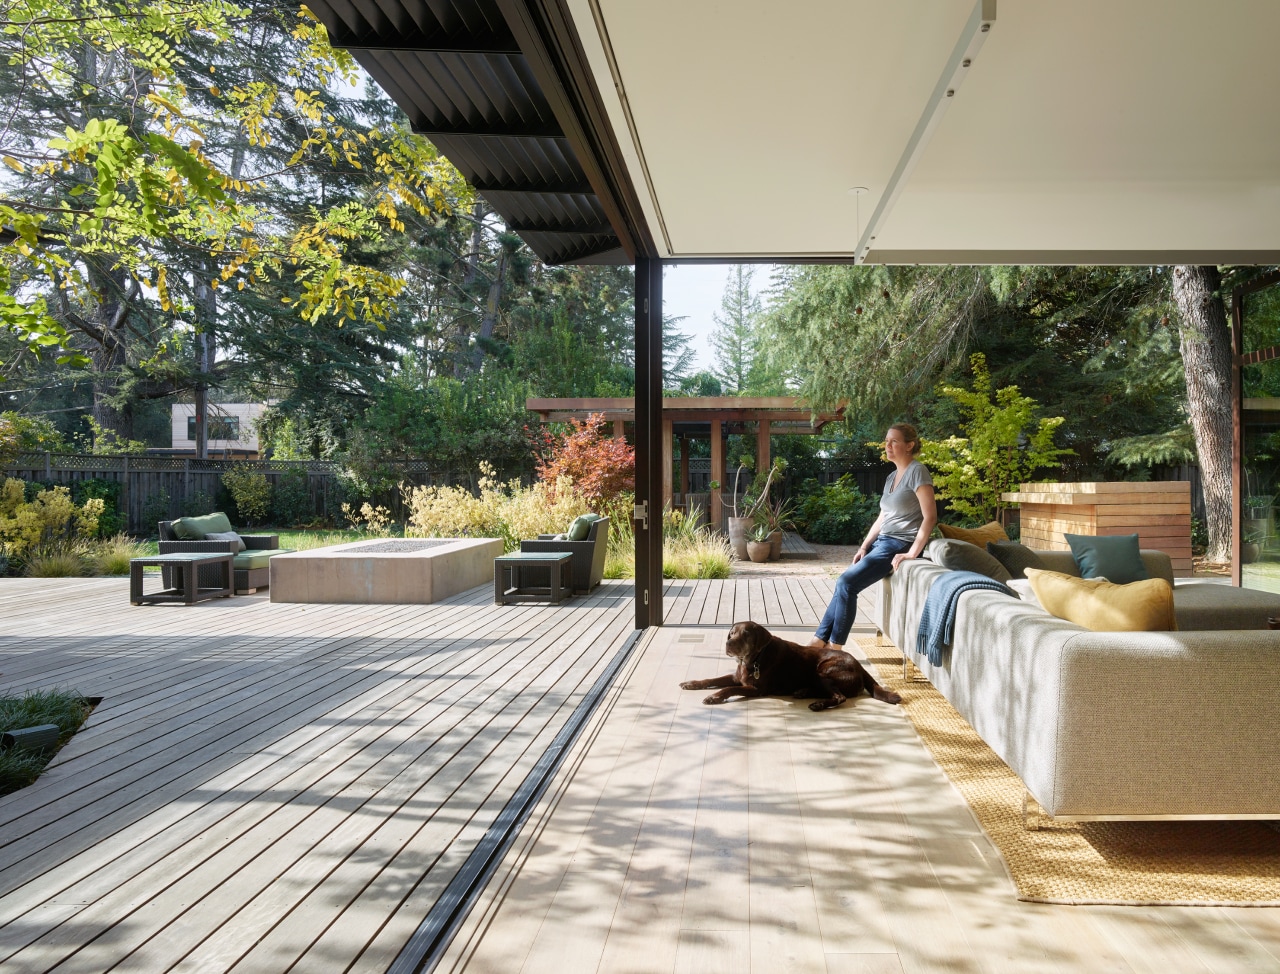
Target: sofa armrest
178 547
260 542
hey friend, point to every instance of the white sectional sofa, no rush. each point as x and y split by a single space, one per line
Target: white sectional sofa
1113 725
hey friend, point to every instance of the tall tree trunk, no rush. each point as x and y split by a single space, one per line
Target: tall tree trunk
491 305
1205 343
110 353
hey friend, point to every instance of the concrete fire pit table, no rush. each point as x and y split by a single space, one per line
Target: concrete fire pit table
408 570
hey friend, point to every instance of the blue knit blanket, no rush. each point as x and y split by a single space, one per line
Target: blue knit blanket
938 620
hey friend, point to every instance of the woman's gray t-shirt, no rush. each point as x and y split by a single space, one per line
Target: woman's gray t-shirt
899 505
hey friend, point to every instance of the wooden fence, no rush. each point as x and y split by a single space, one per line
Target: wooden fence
160 488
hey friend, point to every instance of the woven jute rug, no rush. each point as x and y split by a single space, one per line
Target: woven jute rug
1123 863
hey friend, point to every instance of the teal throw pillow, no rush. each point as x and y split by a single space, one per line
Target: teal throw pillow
581 527
1113 557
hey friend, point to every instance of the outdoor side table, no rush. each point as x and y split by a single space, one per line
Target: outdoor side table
186 566
510 583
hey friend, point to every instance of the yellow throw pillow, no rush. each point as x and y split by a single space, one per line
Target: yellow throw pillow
1095 603
991 531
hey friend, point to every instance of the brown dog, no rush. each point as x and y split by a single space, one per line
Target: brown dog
772 667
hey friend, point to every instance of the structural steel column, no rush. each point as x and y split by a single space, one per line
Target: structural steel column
716 514
1237 437
649 451
668 462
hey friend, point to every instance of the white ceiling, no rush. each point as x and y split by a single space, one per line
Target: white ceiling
1124 131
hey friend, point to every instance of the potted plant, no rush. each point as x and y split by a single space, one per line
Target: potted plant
1257 507
758 547
778 517
739 526
1250 546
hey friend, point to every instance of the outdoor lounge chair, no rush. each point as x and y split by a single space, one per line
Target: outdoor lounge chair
250 566
588 555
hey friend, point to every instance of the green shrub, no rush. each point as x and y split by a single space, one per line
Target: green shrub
111 521
155 509
51 517
251 492
66 709
111 556
291 501
56 559
838 513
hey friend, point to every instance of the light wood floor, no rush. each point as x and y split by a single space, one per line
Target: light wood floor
763 837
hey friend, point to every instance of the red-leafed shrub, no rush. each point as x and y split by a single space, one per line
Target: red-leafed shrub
599 466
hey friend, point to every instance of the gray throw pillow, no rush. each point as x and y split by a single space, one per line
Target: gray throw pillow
961 556
237 542
1015 557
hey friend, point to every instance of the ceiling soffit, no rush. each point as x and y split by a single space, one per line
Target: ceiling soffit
1085 132
487 82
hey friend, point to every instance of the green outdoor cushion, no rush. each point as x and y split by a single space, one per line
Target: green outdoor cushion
195 528
1015 557
1113 557
961 556
257 558
581 527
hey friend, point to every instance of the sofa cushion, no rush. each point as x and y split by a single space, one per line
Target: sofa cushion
1015 557
237 543
257 558
1113 557
1104 606
961 556
580 528
991 531
1213 607
198 528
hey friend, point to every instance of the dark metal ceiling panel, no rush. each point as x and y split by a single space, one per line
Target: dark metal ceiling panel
457 71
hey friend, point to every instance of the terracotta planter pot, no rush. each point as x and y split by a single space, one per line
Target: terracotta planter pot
758 550
738 527
775 545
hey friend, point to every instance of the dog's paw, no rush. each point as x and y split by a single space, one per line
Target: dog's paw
713 699
689 685
888 696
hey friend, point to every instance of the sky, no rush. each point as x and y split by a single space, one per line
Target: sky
695 290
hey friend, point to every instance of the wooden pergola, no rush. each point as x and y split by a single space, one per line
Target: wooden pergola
699 418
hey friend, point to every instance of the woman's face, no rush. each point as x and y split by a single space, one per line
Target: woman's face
896 448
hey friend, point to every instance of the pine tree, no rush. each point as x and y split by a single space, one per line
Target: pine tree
736 337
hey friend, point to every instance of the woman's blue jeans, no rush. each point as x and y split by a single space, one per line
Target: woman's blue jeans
873 566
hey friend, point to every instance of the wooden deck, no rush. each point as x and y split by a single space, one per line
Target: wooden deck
272 787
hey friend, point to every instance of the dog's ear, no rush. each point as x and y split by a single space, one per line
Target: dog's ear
758 636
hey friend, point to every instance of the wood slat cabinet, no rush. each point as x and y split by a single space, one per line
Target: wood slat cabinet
1158 512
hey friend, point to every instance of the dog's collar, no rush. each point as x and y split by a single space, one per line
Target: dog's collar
755 671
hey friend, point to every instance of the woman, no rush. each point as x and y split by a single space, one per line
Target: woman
907 516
